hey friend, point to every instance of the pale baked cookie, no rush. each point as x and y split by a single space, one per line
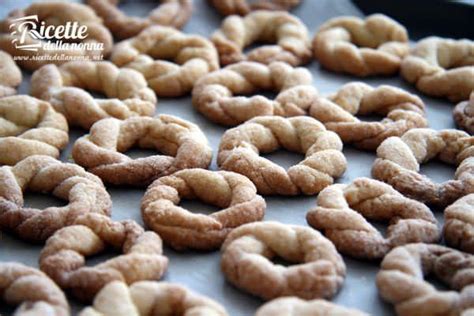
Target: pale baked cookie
402 111
151 298
463 114
316 270
441 67
458 228
399 159
55 13
170 60
375 45
174 13
216 95
285 30
10 75
32 290
294 306
182 145
342 212
244 7
83 191
64 254
233 193
240 149
400 280
64 87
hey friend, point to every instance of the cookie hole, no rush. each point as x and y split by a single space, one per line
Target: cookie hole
42 201
438 171
139 8
284 158
277 260
198 207
136 153
101 257
433 280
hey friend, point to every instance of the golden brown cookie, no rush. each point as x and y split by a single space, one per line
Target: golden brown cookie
219 95
401 280
33 290
174 13
402 111
463 114
285 30
240 149
441 67
64 254
182 145
458 228
316 270
244 7
64 87
151 298
29 126
342 212
399 159
233 193
10 75
83 191
170 60
375 45
56 13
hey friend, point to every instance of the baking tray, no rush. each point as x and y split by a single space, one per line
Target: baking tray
200 271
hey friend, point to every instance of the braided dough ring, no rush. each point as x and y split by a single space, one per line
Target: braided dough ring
56 13
287 31
64 87
318 270
63 256
441 67
151 298
240 149
343 209
402 110
182 143
33 290
243 7
400 280
458 228
293 306
213 94
84 192
29 126
463 114
374 46
399 160
181 229
174 13
10 75
150 53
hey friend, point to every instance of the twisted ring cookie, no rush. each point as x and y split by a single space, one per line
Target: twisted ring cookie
56 13
213 94
458 228
441 67
63 256
243 7
289 33
10 75
181 229
182 143
126 90
33 290
150 53
317 270
402 110
343 209
84 192
29 126
174 13
375 45
400 280
151 298
399 160
463 114
240 149
294 306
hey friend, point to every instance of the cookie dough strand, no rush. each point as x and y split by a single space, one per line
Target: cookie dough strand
10 75
463 114
458 228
